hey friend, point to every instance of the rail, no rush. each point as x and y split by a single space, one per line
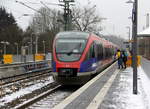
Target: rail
39 97
21 64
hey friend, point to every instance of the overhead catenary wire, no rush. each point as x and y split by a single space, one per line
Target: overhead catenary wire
27 6
31 8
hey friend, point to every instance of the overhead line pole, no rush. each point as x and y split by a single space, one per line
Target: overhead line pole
67 14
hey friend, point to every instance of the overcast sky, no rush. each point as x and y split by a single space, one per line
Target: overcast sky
116 12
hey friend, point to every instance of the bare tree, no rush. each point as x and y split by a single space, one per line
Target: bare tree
45 20
86 19
83 19
44 25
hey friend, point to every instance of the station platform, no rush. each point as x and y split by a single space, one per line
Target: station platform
14 69
112 89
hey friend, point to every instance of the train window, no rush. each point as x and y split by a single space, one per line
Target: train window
110 52
104 53
89 54
99 50
107 52
70 49
91 51
70 45
96 50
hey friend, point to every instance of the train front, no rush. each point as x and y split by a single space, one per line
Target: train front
68 50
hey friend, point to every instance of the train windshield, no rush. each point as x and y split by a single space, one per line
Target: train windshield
69 49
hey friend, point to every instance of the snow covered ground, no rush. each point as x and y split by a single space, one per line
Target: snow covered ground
8 98
141 100
120 95
144 86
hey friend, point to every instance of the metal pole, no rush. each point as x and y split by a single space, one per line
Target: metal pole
44 50
4 48
28 47
31 44
147 20
36 46
17 49
65 16
43 46
134 47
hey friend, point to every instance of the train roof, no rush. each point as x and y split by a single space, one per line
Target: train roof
73 34
83 35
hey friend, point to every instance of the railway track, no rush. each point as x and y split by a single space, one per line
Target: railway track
15 78
29 89
23 81
38 98
49 99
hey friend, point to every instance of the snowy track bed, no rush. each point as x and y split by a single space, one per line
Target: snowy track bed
29 90
16 83
53 98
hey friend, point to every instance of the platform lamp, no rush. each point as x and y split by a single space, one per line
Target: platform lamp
5 44
17 47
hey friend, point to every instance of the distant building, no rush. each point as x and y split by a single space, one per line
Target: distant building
144 43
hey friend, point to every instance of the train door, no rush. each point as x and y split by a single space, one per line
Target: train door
94 50
94 55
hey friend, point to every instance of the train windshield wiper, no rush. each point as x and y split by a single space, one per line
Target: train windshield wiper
73 50
69 53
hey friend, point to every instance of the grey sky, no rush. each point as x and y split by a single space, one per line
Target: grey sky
116 12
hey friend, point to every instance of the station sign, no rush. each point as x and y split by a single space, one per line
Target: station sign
8 59
39 57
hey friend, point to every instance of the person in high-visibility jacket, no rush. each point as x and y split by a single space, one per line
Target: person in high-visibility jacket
119 58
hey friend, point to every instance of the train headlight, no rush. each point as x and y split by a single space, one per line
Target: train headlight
94 65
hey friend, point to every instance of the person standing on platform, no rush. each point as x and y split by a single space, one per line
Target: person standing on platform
119 58
124 58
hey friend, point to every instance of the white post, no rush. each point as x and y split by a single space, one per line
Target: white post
36 45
